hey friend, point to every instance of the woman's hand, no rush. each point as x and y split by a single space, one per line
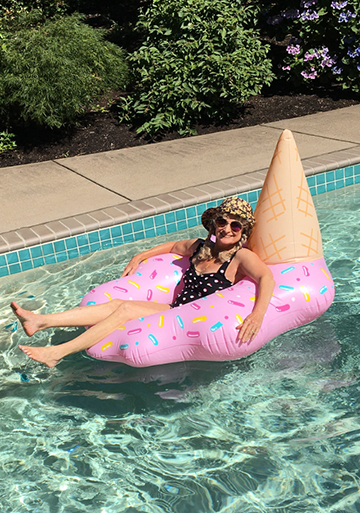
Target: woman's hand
250 327
132 266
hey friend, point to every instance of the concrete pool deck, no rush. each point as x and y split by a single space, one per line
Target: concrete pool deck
60 198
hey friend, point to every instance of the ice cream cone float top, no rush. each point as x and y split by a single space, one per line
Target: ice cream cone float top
287 228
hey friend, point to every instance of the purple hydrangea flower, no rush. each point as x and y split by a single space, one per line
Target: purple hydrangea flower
339 5
293 50
345 17
336 70
309 15
312 74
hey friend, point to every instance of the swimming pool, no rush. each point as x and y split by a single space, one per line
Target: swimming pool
278 431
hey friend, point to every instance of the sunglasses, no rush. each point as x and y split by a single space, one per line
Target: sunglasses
234 225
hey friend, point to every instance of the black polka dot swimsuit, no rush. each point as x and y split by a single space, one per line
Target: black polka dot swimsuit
200 285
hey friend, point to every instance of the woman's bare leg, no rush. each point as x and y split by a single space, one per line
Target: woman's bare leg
80 316
126 311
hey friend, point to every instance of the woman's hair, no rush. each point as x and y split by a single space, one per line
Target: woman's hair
205 252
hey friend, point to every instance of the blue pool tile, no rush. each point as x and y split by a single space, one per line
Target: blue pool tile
182 225
106 244
212 204
82 240
149 223
159 220
96 246
61 256
71 243
48 249
180 215
138 226
50 259
200 209
311 181
171 228
252 196
170 217
313 191
4 271
117 241
330 176
330 186
139 235
339 184
94 237
193 222
115 232
349 181
191 212
161 230
321 189
24 254
339 173
349 171
26 266
357 179
105 235
128 238
84 250
59 245
12 258
73 253
357 169
2 260
14 268
150 233
36 252
127 228
320 179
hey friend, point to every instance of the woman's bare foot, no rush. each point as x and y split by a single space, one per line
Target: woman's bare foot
30 322
47 355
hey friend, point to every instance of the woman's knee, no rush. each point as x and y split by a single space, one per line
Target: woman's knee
116 304
124 307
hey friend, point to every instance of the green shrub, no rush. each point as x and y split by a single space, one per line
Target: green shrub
198 61
48 8
51 72
7 141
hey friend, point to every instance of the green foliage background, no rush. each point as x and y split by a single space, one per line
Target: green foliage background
200 59
50 71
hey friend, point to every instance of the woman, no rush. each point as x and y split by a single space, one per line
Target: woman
216 263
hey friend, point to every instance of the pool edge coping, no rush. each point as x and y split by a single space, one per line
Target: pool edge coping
108 217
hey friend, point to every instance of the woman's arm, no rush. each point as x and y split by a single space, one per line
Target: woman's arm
251 265
182 247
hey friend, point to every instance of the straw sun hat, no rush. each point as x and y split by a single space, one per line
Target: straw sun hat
230 206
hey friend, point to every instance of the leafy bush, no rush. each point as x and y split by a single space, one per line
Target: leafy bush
50 72
325 40
7 141
198 60
48 8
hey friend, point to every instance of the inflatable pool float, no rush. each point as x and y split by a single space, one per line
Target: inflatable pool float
286 237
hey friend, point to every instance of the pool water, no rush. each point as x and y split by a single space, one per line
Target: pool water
276 432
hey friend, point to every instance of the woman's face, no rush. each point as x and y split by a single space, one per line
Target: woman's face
228 230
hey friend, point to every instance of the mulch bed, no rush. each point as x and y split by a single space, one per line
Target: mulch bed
100 131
